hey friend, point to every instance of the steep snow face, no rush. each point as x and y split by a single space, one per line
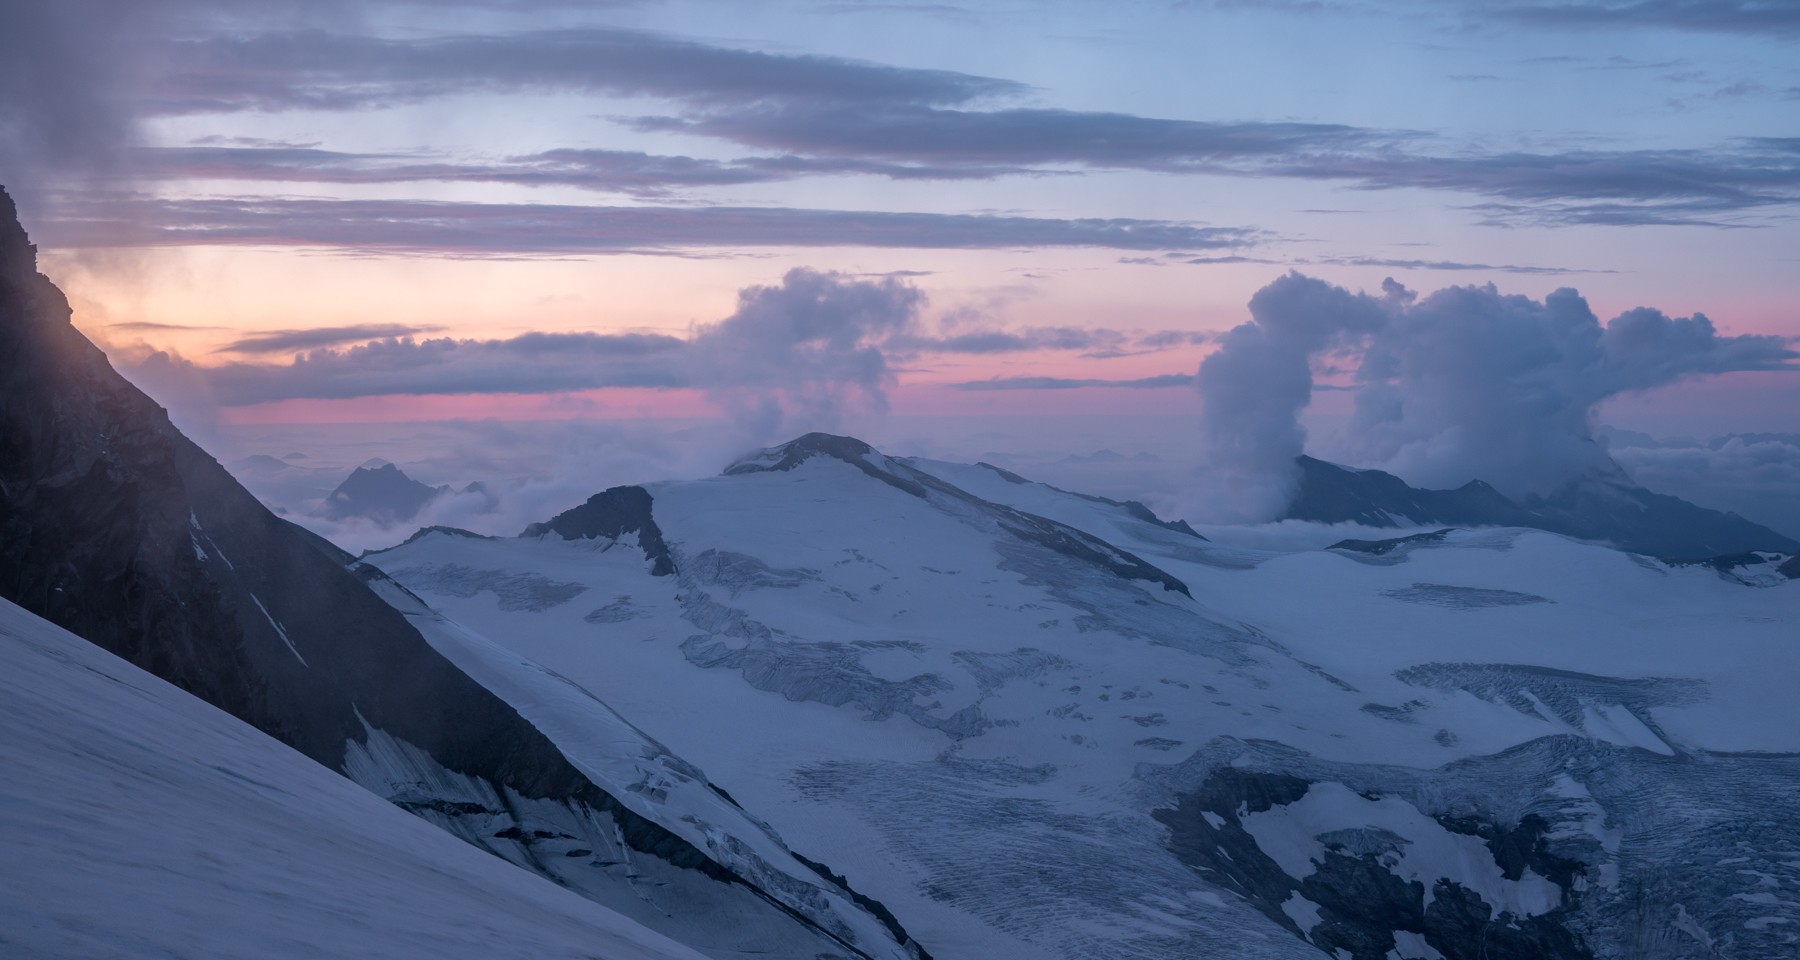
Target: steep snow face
1038 724
138 821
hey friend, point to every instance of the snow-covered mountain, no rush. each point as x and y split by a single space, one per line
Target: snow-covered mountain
1601 506
139 821
831 701
117 528
1036 724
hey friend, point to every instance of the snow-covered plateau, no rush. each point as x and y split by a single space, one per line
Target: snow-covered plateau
1033 723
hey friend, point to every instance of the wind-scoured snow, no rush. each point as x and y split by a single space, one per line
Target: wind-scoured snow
137 821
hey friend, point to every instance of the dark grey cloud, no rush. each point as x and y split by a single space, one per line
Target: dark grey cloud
913 133
1452 265
618 171
79 74
498 229
1093 342
317 70
1587 187
940 11
71 72
290 341
1464 384
60 66
1386 262
403 366
1176 338
1694 187
1068 383
1016 341
1752 17
144 325
1232 258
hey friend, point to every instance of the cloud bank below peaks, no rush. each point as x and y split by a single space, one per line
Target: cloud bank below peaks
1466 383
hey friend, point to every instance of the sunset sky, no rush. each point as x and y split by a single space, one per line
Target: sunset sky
1029 207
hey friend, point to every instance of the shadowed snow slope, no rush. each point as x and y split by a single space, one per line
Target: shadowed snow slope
1037 724
137 821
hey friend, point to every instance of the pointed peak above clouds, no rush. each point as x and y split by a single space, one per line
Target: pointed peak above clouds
380 491
15 245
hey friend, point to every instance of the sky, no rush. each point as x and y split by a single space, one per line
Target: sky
798 215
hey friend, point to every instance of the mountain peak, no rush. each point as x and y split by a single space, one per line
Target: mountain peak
1602 504
791 454
850 450
382 491
17 252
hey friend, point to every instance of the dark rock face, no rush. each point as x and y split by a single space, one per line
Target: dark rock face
1653 523
1750 567
1380 548
1138 510
1225 853
382 493
1361 903
1603 508
1633 854
612 514
446 531
1333 494
116 527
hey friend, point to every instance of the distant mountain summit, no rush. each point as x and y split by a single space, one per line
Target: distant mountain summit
380 491
1605 507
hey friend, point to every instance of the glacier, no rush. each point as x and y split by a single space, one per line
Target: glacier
1039 724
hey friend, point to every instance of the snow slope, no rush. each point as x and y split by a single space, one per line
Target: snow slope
1036 724
137 821
663 789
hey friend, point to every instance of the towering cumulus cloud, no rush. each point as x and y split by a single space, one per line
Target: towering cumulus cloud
1463 384
801 354
1256 384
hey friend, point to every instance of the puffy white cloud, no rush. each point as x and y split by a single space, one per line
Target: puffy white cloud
1467 383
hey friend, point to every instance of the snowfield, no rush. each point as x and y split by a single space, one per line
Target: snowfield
137 821
1035 724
